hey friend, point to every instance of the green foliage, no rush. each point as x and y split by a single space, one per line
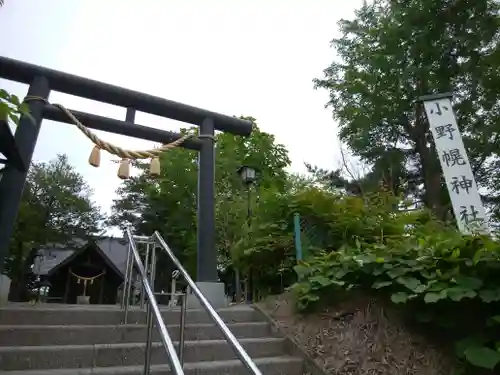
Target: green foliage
56 208
438 275
11 108
394 51
168 204
391 53
337 218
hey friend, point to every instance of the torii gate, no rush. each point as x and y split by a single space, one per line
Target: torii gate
18 149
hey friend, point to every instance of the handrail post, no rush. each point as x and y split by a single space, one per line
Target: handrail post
155 311
128 277
152 274
182 328
147 269
125 277
149 334
173 289
240 352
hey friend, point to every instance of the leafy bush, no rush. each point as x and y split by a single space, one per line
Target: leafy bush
439 277
337 217
443 278
11 108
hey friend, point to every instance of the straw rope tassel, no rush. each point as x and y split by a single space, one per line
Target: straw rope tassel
95 157
154 167
124 169
125 155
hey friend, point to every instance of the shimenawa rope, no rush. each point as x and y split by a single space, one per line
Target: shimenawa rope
85 280
125 155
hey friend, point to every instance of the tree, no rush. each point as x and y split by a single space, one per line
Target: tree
259 151
56 208
168 203
397 50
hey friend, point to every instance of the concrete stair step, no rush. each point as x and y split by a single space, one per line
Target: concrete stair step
280 365
77 315
34 335
128 354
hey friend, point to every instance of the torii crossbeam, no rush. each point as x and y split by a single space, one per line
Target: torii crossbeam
42 81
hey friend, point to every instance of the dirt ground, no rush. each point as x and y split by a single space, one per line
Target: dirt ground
359 337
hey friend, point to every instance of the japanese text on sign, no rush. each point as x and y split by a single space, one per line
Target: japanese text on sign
467 206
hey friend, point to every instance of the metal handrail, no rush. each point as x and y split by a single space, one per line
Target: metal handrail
153 305
240 352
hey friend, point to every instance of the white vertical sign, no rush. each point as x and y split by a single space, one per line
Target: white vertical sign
467 206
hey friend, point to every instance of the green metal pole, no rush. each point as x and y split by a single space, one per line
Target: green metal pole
298 240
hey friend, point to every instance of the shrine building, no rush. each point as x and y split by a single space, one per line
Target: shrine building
89 272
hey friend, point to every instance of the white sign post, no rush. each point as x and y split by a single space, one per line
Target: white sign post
467 206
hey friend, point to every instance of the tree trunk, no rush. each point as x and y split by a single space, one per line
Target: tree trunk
431 169
432 182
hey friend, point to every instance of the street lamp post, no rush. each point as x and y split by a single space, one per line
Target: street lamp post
248 176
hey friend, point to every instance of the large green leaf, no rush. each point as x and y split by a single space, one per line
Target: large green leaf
381 284
321 280
409 282
302 270
432 297
396 272
339 273
493 320
437 286
468 282
467 343
490 295
482 357
457 293
399 297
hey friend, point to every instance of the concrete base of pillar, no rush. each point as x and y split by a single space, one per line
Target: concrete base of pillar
213 291
4 289
82 300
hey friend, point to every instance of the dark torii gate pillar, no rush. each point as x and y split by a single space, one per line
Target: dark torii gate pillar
43 80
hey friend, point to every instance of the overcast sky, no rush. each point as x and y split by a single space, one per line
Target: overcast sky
254 57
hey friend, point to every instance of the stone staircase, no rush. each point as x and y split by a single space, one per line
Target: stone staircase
71 339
